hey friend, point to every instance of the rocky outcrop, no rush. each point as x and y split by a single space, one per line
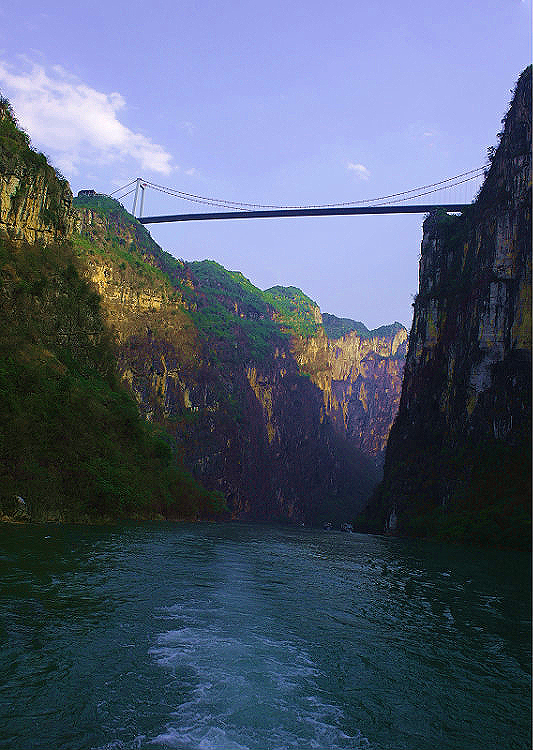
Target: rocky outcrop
458 459
35 200
245 418
156 340
360 378
358 371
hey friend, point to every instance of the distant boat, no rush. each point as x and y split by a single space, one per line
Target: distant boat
347 527
327 526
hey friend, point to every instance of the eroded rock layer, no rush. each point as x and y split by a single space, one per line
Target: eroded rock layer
34 199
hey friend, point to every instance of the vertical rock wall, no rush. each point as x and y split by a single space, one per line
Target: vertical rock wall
35 201
458 460
360 379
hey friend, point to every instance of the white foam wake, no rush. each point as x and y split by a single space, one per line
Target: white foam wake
244 690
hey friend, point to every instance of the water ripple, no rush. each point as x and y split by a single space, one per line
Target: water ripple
248 636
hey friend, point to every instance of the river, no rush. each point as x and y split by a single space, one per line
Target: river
233 636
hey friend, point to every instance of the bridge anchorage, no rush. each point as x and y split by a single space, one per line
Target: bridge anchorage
386 204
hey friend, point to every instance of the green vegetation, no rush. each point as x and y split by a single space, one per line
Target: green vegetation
126 257
336 328
72 442
295 311
121 225
382 331
15 145
111 208
232 313
237 318
125 241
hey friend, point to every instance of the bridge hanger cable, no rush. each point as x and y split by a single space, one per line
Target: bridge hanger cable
120 189
471 174
121 197
177 194
427 192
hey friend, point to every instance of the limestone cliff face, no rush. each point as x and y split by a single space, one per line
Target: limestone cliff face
246 420
208 357
459 450
157 342
31 211
34 200
360 379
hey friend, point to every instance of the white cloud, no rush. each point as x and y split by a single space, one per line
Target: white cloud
360 170
75 123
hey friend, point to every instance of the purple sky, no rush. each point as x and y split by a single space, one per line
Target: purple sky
274 103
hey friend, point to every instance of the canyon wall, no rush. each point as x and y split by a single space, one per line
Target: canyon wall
287 423
284 420
360 377
34 199
458 461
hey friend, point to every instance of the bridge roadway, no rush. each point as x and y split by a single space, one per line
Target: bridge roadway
287 212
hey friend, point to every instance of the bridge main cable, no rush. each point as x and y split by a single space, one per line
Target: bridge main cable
293 212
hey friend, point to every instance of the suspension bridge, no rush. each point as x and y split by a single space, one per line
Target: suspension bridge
395 203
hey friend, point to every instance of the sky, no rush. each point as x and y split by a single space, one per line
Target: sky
278 103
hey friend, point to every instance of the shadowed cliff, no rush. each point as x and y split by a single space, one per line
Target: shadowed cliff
72 443
458 461
231 373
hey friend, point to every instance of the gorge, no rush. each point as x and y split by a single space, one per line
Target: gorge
143 397
258 405
278 412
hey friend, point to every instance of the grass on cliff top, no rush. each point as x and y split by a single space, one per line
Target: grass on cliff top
143 242
15 146
231 312
127 243
72 441
126 257
111 208
295 311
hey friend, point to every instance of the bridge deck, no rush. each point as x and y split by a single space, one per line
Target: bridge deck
287 212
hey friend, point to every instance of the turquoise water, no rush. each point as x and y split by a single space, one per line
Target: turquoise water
262 637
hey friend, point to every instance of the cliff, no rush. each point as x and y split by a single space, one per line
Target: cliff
282 415
34 199
73 446
358 371
360 376
458 462
232 373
